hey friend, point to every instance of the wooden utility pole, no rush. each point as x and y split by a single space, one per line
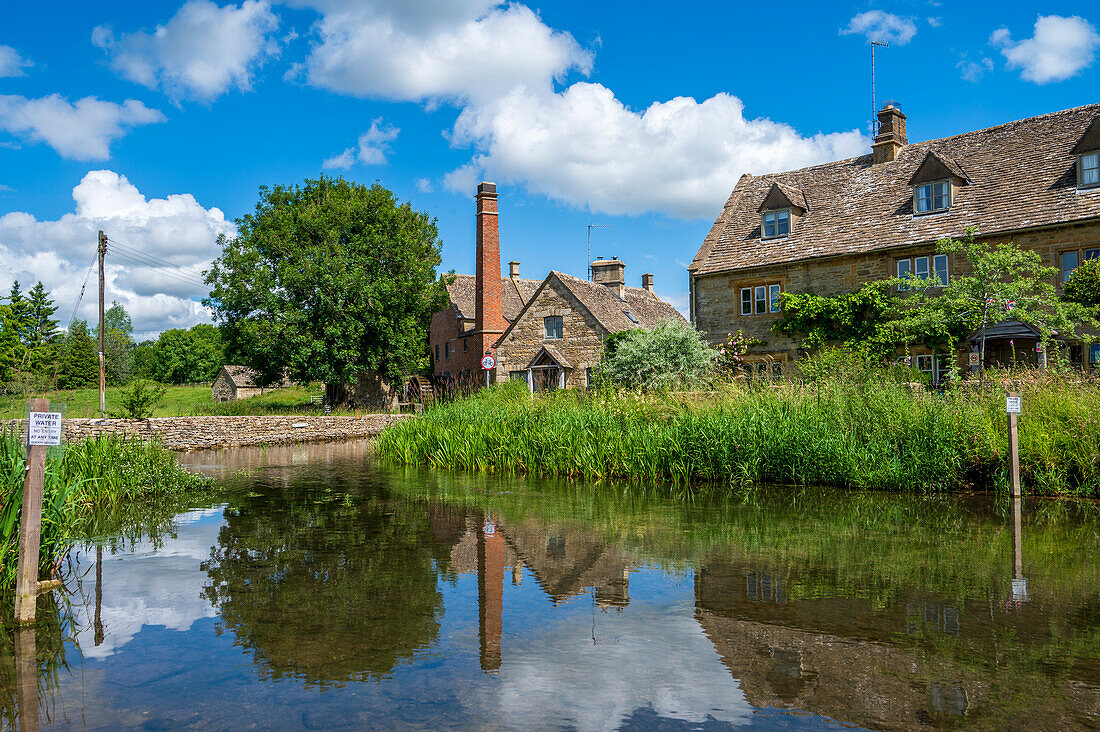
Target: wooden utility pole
102 329
30 526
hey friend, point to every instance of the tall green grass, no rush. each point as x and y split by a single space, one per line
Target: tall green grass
871 432
83 481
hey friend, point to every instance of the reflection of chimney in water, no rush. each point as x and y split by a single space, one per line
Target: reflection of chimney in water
490 591
517 572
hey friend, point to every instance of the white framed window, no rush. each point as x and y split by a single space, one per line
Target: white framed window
939 269
774 224
746 301
1088 170
761 299
773 298
905 271
920 268
1070 260
777 370
934 196
553 325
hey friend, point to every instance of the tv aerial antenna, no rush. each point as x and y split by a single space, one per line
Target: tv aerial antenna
590 228
874 104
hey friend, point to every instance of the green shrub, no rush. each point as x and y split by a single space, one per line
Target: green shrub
672 355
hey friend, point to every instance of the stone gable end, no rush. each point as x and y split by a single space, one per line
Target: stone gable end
582 337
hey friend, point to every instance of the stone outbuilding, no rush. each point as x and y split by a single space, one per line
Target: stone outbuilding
548 332
240 382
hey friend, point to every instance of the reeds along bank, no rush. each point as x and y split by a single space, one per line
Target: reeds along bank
872 433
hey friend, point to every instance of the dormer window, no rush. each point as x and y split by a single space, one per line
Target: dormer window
779 209
932 197
776 223
1088 170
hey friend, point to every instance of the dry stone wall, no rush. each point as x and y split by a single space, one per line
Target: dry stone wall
194 433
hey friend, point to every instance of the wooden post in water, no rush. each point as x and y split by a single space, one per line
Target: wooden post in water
1012 406
26 678
30 526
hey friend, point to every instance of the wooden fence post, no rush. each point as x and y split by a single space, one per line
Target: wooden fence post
30 526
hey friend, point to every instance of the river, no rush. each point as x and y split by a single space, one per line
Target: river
319 590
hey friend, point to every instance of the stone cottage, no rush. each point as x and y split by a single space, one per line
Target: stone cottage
547 332
240 382
829 229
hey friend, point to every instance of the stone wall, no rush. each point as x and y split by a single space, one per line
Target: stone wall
718 296
581 343
193 433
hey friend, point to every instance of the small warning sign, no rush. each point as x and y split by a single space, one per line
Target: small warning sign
1012 405
44 428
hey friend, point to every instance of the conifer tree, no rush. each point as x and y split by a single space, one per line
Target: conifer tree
42 335
79 367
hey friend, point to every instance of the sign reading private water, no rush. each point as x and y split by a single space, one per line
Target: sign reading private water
1012 405
488 363
44 428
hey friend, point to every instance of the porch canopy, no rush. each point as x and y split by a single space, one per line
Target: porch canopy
1008 330
550 366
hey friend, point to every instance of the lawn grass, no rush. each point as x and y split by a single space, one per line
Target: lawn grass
179 401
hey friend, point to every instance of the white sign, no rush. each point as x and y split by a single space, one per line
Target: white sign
1012 405
44 428
488 363
973 359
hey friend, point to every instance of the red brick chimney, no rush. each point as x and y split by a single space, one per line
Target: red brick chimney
488 316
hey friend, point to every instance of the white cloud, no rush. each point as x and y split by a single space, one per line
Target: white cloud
11 63
371 149
200 53
83 130
1060 48
437 49
584 147
935 22
424 185
176 229
877 25
974 70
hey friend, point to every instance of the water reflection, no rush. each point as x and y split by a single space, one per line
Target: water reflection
323 592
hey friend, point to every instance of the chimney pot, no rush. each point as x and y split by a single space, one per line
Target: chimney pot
513 269
891 134
647 282
611 273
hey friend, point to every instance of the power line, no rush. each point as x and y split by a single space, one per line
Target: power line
185 279
151 259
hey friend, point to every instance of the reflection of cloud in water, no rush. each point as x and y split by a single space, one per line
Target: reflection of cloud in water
144 586
645 656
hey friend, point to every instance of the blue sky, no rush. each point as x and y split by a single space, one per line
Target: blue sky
158 121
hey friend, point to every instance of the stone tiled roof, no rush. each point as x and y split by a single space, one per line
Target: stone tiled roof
514 295
1022 175
243 377
611 312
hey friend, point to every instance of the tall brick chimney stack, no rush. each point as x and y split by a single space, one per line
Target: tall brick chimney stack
891 134
488 316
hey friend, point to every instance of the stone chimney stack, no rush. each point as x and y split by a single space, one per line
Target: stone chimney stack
610 273
513 269
647 282
891 134
488 315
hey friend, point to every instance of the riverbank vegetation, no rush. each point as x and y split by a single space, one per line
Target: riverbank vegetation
843 422
86 484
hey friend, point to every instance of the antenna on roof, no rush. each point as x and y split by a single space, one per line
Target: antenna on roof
874 106
589 262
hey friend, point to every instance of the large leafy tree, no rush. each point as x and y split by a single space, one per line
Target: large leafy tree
328 280
118 343
79 367
184 356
